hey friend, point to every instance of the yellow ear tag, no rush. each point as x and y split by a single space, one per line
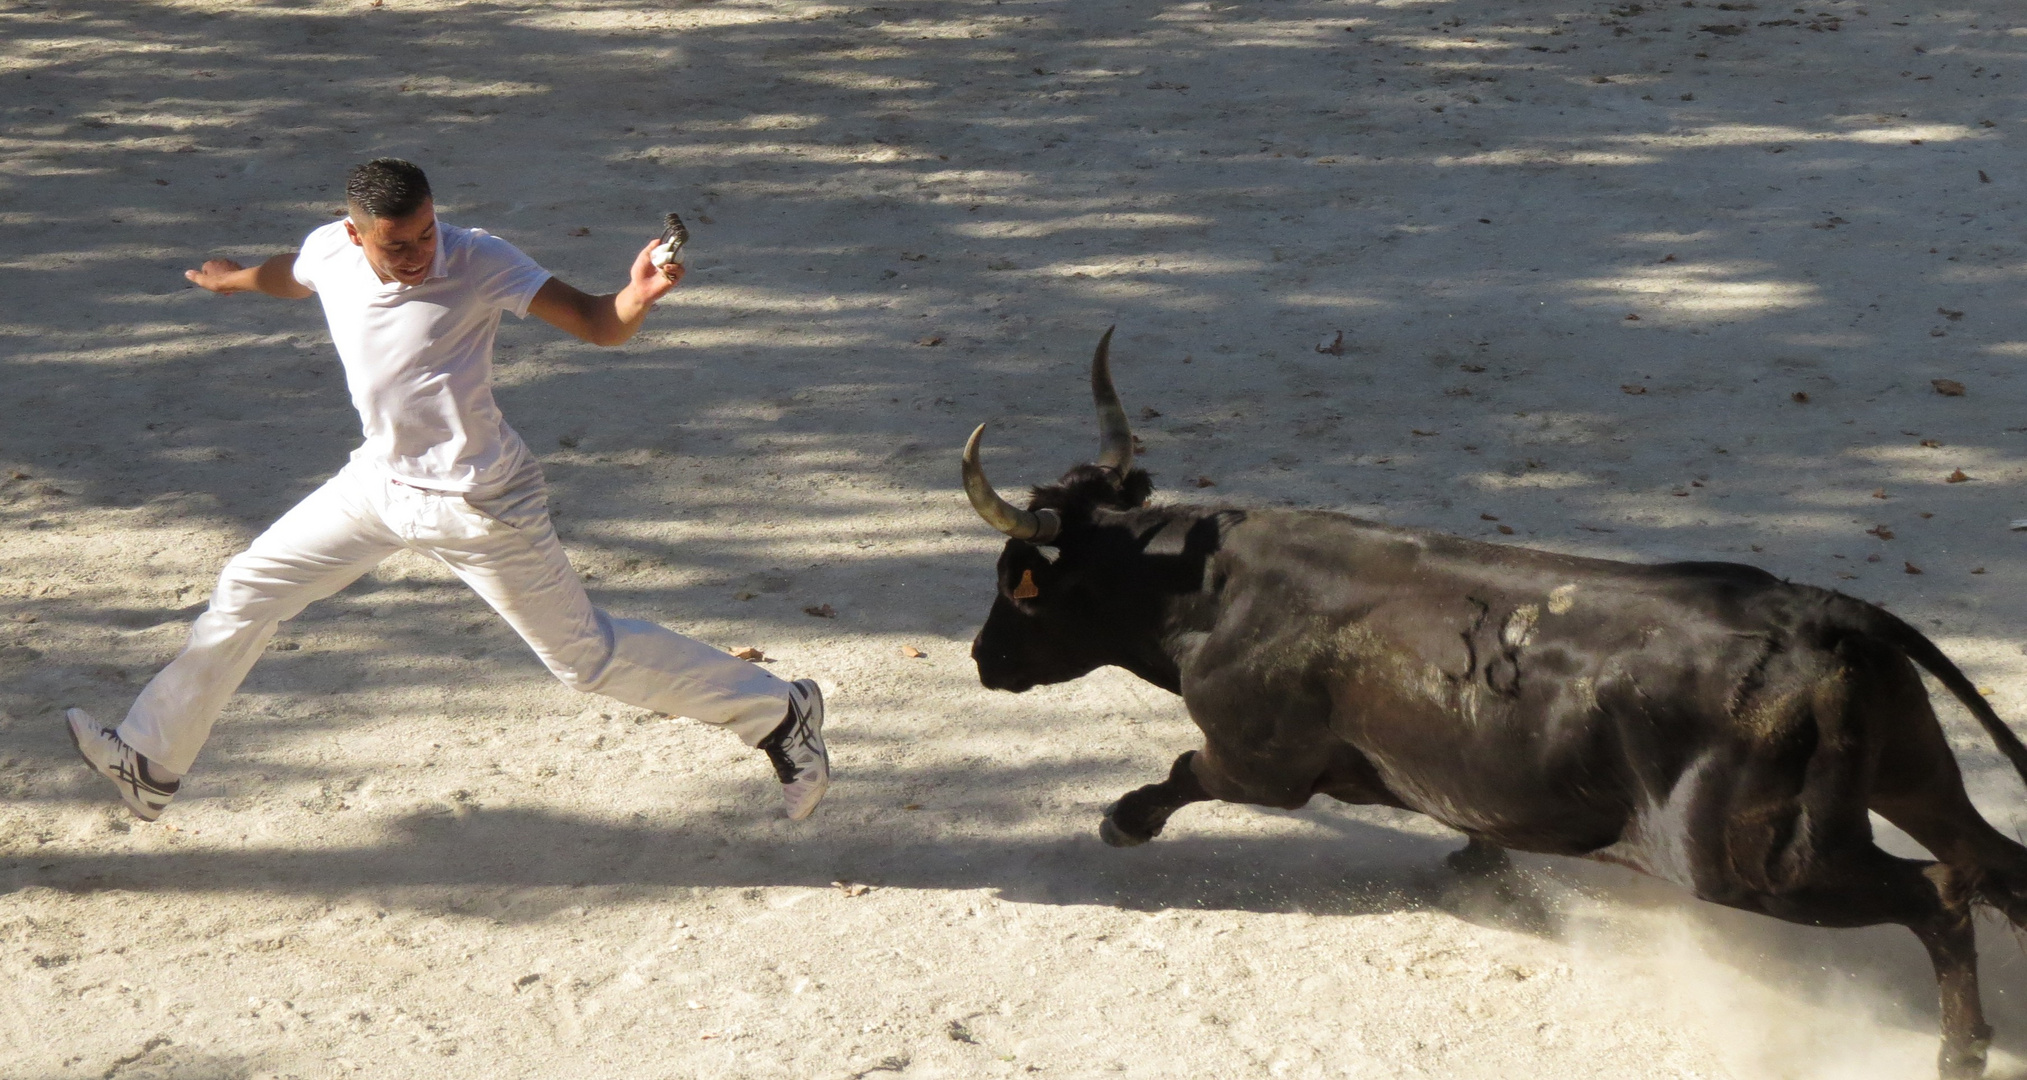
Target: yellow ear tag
1026 589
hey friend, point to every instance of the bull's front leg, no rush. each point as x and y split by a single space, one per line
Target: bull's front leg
1139 814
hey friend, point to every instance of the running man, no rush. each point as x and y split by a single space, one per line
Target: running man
413 305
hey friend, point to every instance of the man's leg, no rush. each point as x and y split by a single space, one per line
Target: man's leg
506 549
320 546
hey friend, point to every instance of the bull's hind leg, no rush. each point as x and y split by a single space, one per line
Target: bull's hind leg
1917 786
1952 945
1864 886
1792 837
1139 814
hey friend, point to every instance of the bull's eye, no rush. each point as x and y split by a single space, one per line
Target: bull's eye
1026 589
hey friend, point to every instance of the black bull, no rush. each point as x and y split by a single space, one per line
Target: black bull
1705 723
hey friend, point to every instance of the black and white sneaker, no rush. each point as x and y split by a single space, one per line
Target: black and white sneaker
796 749
102 749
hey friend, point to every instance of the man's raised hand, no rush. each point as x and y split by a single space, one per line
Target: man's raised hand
651 282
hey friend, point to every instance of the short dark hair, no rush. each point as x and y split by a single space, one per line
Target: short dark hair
387 188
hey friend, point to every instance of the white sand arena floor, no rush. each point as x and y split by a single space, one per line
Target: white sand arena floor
1584 258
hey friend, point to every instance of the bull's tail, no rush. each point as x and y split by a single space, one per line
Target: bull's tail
1918 648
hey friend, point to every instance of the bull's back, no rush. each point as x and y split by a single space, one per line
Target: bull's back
1530 697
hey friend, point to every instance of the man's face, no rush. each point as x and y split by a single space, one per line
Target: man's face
399 249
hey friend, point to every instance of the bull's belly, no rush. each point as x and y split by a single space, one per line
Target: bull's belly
1518 816
1656 837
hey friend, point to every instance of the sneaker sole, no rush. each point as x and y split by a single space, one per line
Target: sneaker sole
822 789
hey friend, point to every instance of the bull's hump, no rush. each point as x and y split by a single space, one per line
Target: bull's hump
1327 537
1347 541
1329 531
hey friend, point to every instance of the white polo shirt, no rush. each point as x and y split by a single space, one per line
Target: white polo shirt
419 358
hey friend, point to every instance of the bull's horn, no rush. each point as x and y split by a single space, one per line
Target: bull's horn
1115 438
1038 527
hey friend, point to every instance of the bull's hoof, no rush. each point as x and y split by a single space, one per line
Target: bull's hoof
1114 836
1962 1062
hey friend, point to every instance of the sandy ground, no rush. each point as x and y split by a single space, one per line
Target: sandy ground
1586 260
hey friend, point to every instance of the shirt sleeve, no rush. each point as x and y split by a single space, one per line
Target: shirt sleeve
507 278
308 258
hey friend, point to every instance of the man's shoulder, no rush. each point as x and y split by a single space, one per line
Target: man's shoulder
329 234
477 245
325 243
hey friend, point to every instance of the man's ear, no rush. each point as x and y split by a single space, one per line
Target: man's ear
352 231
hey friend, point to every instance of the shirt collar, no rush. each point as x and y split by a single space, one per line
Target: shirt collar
437 268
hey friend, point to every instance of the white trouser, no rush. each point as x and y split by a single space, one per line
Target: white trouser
503 546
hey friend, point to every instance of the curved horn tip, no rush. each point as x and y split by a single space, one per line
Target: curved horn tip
1101 357
997 512
1115 435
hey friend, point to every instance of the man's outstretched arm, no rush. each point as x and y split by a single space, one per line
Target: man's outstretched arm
275 277
611 319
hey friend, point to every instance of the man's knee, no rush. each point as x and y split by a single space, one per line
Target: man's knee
241 594
583 668
248 588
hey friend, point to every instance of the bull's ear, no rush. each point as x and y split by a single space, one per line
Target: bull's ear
1026 589
1135 488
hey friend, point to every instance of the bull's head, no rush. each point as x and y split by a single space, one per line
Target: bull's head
1067 592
